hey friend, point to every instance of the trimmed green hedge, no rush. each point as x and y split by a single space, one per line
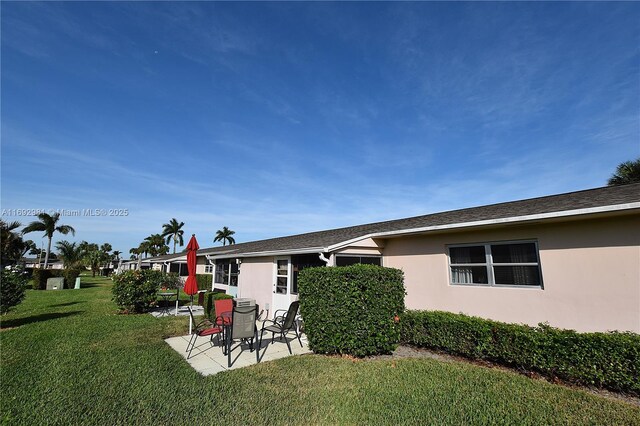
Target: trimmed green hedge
204 281
610 360
351 310
40 277
209 304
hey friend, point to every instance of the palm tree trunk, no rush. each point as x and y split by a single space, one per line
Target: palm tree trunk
46 256
174 244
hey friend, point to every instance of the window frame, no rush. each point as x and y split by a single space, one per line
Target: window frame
227 266
489 264
360 256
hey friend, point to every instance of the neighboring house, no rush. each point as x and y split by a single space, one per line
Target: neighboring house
34 262
571 260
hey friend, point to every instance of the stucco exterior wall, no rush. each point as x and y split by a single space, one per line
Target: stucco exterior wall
590 270
255 279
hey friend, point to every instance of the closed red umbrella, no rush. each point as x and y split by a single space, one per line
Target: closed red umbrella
191 285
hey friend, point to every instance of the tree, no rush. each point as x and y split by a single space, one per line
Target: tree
105 249
156 245
70 253
47 223
627 172
225 235
13 247
173 231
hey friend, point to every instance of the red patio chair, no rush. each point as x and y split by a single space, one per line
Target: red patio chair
224 309
201 329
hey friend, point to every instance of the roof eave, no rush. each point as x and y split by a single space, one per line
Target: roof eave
489 222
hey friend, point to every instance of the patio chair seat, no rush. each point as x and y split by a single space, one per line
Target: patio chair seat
204 328
283 324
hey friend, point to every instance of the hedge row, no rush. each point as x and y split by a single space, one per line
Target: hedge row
351 310
204 281
209 304
610 360
40 277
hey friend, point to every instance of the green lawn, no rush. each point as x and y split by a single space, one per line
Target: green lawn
70 359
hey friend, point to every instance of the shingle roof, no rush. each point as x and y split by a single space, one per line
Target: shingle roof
592 198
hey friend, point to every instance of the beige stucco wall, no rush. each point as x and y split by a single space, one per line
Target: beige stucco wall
255 279
590 269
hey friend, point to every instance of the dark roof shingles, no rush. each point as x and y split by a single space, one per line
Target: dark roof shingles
599 197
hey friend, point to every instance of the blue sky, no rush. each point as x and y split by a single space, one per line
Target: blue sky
282 118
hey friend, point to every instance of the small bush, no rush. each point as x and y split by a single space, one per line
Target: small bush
352 309
13 288
610 360
169 281
135 291
70 275
209 304
204 281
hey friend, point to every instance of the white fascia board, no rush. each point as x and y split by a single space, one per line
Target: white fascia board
488 222
268 253
171 259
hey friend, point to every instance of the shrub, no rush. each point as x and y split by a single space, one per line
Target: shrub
610 360
70 275
40 277
13 288
135 291
204 281
209 305
170 281
352 309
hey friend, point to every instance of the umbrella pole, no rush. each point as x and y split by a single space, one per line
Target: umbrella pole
191 309
177 298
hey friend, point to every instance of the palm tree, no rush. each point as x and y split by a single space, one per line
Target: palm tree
47 223
156 245
70 253
173 231
116 254
105 249
225 235
13 247
627 172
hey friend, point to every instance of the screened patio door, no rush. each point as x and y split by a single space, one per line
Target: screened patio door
281 284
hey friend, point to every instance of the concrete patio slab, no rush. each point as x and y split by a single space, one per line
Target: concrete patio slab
171 311
208 359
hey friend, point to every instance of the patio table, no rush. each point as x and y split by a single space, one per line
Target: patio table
165 306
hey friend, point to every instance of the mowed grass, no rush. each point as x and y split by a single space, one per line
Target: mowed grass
68 358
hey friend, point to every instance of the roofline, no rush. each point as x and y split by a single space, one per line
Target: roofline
234 253
488 222
284 252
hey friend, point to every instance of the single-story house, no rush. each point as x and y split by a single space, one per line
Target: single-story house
571 260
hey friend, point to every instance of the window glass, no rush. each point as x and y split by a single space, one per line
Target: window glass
354 260
517 275
514 264
470 254
514 253
469 275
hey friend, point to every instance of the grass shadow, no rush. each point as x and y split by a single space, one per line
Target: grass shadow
36 318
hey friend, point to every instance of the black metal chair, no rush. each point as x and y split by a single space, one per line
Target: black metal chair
201 329
283 325
243 328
